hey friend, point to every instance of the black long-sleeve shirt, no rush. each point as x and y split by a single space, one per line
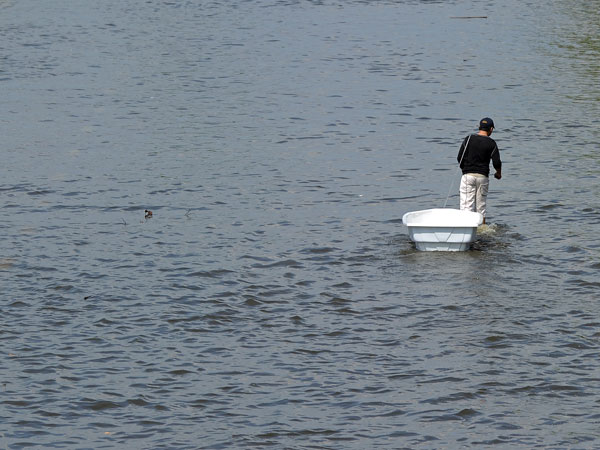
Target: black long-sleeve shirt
480 151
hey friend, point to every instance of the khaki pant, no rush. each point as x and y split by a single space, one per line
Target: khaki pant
473 192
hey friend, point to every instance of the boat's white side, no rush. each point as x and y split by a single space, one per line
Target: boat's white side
442 229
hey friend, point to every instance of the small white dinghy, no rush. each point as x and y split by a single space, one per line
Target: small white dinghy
442 229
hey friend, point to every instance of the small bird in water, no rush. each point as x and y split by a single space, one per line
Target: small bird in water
147 213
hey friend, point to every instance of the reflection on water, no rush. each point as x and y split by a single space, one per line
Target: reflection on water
274 298
578 42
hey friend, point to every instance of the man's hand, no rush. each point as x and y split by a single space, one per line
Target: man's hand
497 175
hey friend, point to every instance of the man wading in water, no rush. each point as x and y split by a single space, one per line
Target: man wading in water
475 165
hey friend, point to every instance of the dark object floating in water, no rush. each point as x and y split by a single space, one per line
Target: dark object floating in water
147 213
469 17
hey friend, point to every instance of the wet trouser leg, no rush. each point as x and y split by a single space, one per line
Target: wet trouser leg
473 193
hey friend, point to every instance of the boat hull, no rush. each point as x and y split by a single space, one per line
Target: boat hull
442 229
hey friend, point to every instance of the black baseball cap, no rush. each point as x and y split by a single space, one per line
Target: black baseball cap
486 123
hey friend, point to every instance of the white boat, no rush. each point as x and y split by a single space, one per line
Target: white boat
442 229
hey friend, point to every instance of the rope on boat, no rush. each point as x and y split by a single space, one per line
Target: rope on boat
458 168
